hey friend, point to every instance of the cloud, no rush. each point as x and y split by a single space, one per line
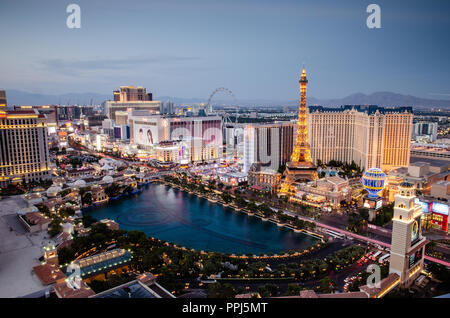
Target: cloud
78 66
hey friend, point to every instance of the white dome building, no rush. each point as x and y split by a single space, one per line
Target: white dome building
53 191
79 183
129 173
107 167
58 181
67 228
107 180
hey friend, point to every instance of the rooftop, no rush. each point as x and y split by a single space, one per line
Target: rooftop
49 273
433 162
134 290
98 263
63 290
144 286
369 109
419 163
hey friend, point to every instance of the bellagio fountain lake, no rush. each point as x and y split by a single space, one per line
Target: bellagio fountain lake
187 220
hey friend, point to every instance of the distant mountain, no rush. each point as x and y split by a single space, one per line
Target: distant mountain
16 97
385 99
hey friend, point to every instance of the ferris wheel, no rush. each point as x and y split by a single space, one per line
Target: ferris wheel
209 107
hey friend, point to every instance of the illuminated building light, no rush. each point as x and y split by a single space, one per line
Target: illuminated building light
388 288
300 167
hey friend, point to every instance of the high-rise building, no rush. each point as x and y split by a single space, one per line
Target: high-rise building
24 152
234 139
73 112
199 137
121 118
3 103
122 132
425 130
408 244
132 94
371 136
167 108
269 145
396 146
50 112
130 98
300 167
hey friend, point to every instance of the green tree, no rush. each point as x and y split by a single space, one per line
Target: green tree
228 291
88 220
327 285
55 227
226 197
293 289
65 212
113 190
214 290
364 213
86 198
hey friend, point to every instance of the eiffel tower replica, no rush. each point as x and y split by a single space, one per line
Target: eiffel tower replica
301 167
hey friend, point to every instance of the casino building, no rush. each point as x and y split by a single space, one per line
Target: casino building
435 213
371 136
196 138
130 98
269 145
2 100
24 154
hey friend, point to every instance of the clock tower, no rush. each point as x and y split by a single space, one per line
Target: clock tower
408 244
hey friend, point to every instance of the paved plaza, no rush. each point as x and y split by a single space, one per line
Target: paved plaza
19 251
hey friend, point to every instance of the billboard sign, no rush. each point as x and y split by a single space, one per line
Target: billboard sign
146 134
440 208
379 205
425 205
415 231
415 257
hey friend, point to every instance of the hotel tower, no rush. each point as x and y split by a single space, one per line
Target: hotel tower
24 153
371 136
301 167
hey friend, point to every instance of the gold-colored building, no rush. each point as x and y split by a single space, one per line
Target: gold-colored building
2 100
371 136
266 179
24 154
130 98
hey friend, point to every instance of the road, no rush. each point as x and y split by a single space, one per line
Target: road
361 238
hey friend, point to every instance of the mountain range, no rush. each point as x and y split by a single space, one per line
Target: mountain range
17 97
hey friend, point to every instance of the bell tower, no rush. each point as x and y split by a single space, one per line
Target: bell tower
51 254
408 244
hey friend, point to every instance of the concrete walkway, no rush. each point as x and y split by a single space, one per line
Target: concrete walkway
19 252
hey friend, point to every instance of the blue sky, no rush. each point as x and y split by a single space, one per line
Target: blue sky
256 48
